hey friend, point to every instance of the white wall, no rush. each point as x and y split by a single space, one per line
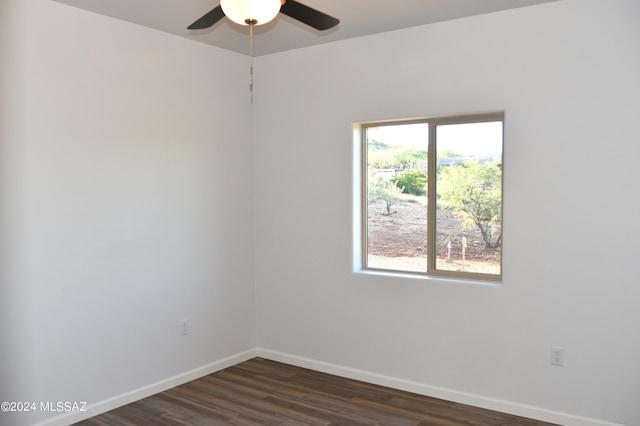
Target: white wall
567 74
126 206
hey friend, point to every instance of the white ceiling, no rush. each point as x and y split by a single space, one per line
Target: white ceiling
357 18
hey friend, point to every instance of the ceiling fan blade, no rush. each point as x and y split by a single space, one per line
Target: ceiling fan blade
308 15
210 18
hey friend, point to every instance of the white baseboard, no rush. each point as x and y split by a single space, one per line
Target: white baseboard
143 392
503 406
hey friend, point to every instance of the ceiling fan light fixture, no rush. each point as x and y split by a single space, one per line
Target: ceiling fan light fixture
254 12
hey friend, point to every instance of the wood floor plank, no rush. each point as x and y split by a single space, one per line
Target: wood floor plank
261 392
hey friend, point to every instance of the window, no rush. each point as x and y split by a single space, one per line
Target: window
432 196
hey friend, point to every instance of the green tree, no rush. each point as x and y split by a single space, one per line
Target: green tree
378 145
409 158
474 191
381 159
383 156
411 181
379 188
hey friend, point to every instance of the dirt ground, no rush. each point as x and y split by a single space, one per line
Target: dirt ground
403 234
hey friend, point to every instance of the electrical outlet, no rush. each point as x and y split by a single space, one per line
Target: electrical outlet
184 327
557 356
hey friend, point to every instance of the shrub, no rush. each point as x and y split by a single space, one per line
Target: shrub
411 182
382 189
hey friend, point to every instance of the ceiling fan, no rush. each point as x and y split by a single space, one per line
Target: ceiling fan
259 12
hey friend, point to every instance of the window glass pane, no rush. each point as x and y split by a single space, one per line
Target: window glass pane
396 224
469 197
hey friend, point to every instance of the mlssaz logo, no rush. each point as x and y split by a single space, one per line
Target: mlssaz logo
65 407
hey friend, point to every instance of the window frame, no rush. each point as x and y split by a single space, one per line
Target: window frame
433 122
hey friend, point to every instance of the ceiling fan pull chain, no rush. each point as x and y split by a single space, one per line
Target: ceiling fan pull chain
251 54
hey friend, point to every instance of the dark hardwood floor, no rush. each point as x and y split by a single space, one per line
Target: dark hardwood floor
260 392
